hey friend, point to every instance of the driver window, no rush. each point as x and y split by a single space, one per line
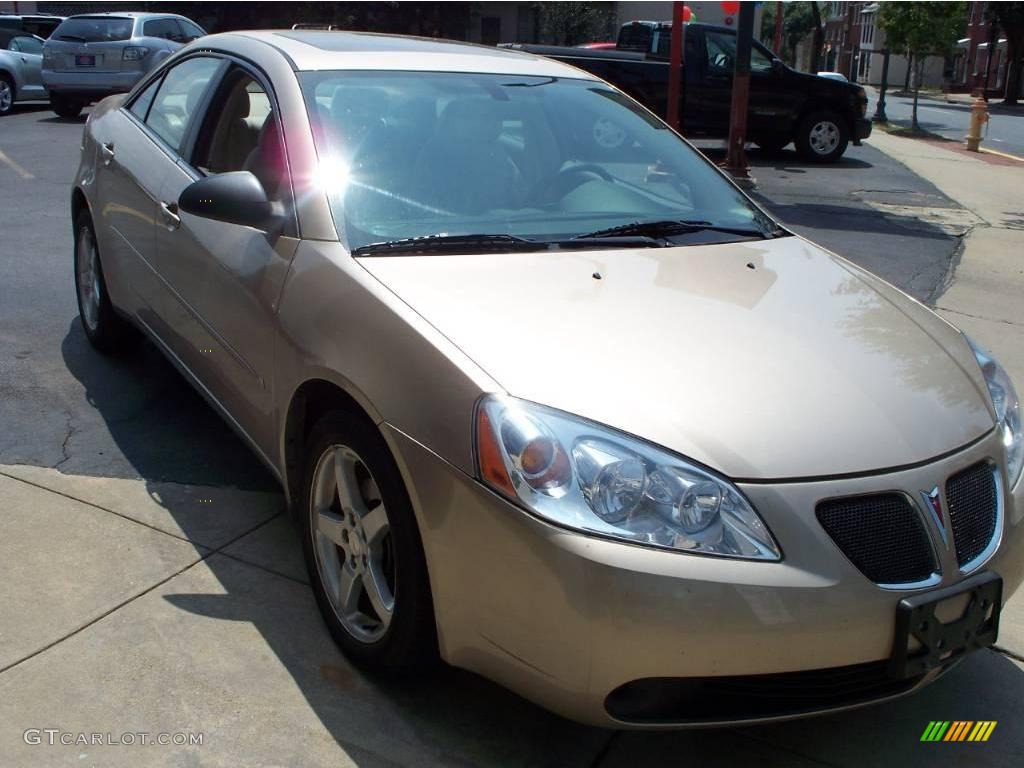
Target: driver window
759 62
178 98
721 51
241 133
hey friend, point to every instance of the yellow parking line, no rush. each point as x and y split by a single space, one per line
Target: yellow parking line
1002 154
15 167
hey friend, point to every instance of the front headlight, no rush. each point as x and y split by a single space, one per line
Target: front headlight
1007 408
578 474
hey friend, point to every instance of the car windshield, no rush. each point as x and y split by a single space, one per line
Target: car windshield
413 154
94 29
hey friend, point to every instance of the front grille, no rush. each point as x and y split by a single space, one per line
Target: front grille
668 700
882 535
972 499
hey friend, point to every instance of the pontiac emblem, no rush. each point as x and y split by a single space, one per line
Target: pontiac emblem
933 504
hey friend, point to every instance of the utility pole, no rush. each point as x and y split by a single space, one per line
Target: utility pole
736 159
675 67
879 116
778 30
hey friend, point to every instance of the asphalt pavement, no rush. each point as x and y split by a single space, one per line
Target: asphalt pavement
152 581
1004 132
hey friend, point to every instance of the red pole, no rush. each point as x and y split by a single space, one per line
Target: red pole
675 67
778 30
736 159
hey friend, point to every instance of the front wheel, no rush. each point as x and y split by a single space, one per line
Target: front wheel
822 137
363 548
65 107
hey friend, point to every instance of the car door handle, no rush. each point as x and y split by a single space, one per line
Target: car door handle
107 150
169 212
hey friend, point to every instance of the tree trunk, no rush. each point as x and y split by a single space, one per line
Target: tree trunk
910 64
816 41
918 72
1013 67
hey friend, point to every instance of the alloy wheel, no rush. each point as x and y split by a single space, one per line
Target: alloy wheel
6 95
89 285
824 137
352 543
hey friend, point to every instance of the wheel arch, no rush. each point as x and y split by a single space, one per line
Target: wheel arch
313 398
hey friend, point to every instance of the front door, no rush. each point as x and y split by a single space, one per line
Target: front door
228 276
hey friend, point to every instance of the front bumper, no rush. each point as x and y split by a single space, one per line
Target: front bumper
861 129
565 619
89 85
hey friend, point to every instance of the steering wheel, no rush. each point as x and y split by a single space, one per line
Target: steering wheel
557 185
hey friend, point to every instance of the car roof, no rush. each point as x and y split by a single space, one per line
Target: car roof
125 15
327 50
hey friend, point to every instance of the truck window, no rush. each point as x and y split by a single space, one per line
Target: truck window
720 49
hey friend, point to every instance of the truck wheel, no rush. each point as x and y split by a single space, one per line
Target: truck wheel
65 107
822 137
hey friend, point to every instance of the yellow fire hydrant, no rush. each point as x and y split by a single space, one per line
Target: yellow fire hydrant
979 116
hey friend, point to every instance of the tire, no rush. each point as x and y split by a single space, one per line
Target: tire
8 93
106 330
349 446
822 136
65 107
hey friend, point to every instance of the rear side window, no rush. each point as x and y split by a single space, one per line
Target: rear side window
94 29
165 28
26 45
140 107
178 97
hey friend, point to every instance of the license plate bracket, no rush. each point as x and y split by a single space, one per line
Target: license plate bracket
941 643
85 60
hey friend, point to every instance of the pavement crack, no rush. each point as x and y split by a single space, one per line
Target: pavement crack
69 432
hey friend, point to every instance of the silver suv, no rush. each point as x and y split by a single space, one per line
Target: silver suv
91 56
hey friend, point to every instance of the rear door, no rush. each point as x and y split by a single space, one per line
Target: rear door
28 56
130 169
164 124
226 276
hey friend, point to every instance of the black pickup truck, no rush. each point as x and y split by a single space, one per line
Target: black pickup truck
819 115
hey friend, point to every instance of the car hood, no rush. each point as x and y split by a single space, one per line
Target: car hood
764 360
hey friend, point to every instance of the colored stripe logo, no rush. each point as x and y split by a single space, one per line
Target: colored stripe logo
959 730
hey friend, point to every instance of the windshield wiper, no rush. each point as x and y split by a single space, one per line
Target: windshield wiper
495 243
668 227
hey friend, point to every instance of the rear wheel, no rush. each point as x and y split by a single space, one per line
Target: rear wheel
822 136
6 94
107 331
363 548
65 107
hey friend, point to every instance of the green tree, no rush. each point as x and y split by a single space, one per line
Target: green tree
1010 16
798 21
921 29
573 23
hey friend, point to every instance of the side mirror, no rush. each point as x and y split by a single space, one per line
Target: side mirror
234 198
